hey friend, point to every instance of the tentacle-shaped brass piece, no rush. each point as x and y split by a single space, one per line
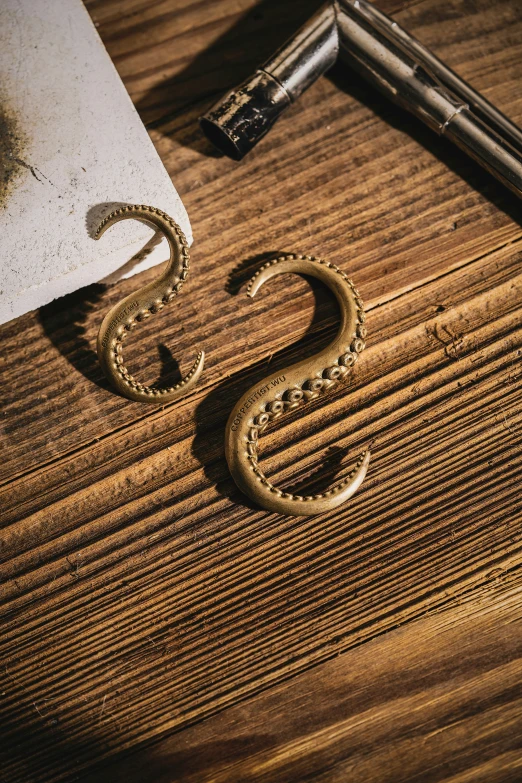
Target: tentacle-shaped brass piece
290 388
125 316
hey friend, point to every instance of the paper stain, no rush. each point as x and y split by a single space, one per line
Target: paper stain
12 145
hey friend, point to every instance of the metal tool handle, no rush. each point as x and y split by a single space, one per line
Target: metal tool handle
379 50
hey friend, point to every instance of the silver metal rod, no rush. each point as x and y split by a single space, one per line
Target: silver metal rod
380 51
479 105
244 115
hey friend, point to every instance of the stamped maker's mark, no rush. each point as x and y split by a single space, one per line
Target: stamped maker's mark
115 321
260 392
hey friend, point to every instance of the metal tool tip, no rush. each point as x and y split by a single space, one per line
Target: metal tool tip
218 136
244 115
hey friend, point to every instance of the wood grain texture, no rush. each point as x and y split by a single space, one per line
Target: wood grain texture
392 710
140 591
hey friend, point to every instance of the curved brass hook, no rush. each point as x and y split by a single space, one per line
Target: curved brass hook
124 316
291 387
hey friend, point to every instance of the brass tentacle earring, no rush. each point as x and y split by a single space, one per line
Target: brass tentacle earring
290 388
126 315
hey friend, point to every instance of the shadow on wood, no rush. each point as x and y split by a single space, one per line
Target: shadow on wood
63 322
226 62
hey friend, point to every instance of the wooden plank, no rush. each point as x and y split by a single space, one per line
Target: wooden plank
406 368
438 700
161 587
140 591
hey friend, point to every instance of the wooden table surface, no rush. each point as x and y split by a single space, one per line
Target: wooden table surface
156 626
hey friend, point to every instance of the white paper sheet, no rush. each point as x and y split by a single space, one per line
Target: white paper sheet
71 145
